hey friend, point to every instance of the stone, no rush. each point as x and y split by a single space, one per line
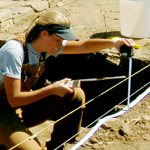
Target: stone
125 130
40 6
5 14
7 24
59 4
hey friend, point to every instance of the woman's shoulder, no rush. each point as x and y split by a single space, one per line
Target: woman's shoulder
13 43
13 49
12 46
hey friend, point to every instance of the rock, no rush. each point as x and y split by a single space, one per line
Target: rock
125 130
95 146
23 14
60 4
39 6
119 107
93 140
5 14
146 118
7 24
111 124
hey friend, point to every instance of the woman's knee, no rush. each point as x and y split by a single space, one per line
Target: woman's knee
13 132
79 97
18 140
19 137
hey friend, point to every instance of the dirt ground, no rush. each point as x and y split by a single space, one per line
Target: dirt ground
130 131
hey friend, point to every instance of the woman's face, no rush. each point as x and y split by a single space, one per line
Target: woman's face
52 43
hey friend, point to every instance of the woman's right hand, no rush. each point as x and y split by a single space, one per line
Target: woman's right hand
60 88
18 98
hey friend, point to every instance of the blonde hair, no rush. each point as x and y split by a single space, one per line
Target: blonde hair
45 19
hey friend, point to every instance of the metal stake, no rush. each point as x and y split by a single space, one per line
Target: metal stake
129 81
128 52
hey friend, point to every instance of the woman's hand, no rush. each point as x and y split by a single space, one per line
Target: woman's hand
119 42
18 98
60 88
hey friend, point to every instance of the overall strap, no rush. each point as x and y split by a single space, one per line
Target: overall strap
26 57
31 73
42 58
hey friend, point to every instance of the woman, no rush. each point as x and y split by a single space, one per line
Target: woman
50 33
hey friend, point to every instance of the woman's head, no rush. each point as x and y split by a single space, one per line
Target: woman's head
52 17
52 21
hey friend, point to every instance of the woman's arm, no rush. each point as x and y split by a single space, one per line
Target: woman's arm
94 45
17 98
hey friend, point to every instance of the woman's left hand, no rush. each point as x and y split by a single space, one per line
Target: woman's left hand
123 41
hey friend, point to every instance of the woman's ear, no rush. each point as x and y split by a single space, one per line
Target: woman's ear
44 33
